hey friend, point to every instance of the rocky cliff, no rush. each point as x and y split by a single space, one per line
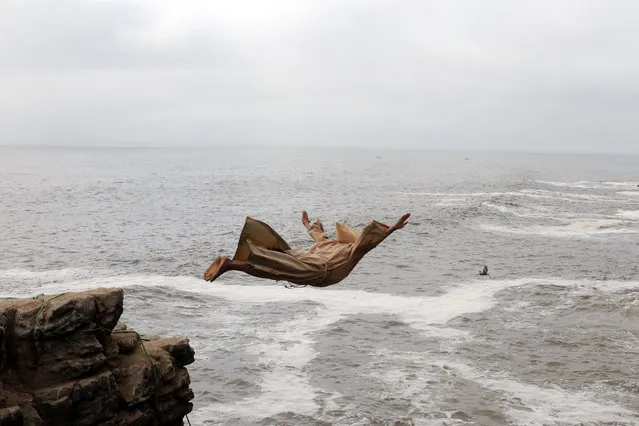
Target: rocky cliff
65 360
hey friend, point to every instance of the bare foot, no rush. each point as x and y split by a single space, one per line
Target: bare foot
210 271
219 266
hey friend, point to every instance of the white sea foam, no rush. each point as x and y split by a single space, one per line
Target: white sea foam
29 282
403 382
533 193
566 196
286 348
455 194
539 212
435 310
469 296
578 229
580 184
587 223
289 346
584 184
525 404
546 405
451 198
53 275
610 286
629 214
286 387
632 194
451 202
621 184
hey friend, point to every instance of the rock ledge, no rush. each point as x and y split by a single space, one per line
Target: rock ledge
65 360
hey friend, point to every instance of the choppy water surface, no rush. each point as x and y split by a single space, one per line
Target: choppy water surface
413 336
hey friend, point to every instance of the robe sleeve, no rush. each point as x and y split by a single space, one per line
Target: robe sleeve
344 234
316 231
374 233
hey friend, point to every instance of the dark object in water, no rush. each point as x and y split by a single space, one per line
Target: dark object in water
484 271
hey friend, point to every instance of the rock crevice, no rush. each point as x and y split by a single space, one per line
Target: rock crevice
65 360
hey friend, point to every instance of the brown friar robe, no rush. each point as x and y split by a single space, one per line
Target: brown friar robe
327 262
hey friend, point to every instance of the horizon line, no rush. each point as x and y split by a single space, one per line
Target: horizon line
291 146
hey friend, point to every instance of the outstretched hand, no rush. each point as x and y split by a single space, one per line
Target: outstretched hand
401 222
305 221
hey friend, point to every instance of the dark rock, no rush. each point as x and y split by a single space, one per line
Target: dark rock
25 318
3 350
11 416
24 400
141 416
126 341
24 354
110 349
119 327
180 381
109 303
175 408
65 314
61 364
75 356
7 316
88 401
62 314
137 377
178 347
164 362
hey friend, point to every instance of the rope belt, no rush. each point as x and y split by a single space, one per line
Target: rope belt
325 273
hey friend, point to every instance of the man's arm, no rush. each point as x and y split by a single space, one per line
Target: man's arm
315 230
305 221
401 222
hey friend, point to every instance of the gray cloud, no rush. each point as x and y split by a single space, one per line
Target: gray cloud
532 75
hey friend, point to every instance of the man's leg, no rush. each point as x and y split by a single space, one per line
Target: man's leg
223 264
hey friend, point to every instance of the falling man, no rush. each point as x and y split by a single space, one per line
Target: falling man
262 253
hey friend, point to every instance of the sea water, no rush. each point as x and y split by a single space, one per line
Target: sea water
413 335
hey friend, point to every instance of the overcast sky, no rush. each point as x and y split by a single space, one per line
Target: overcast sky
530 75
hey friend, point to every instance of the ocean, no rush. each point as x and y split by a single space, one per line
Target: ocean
413 336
